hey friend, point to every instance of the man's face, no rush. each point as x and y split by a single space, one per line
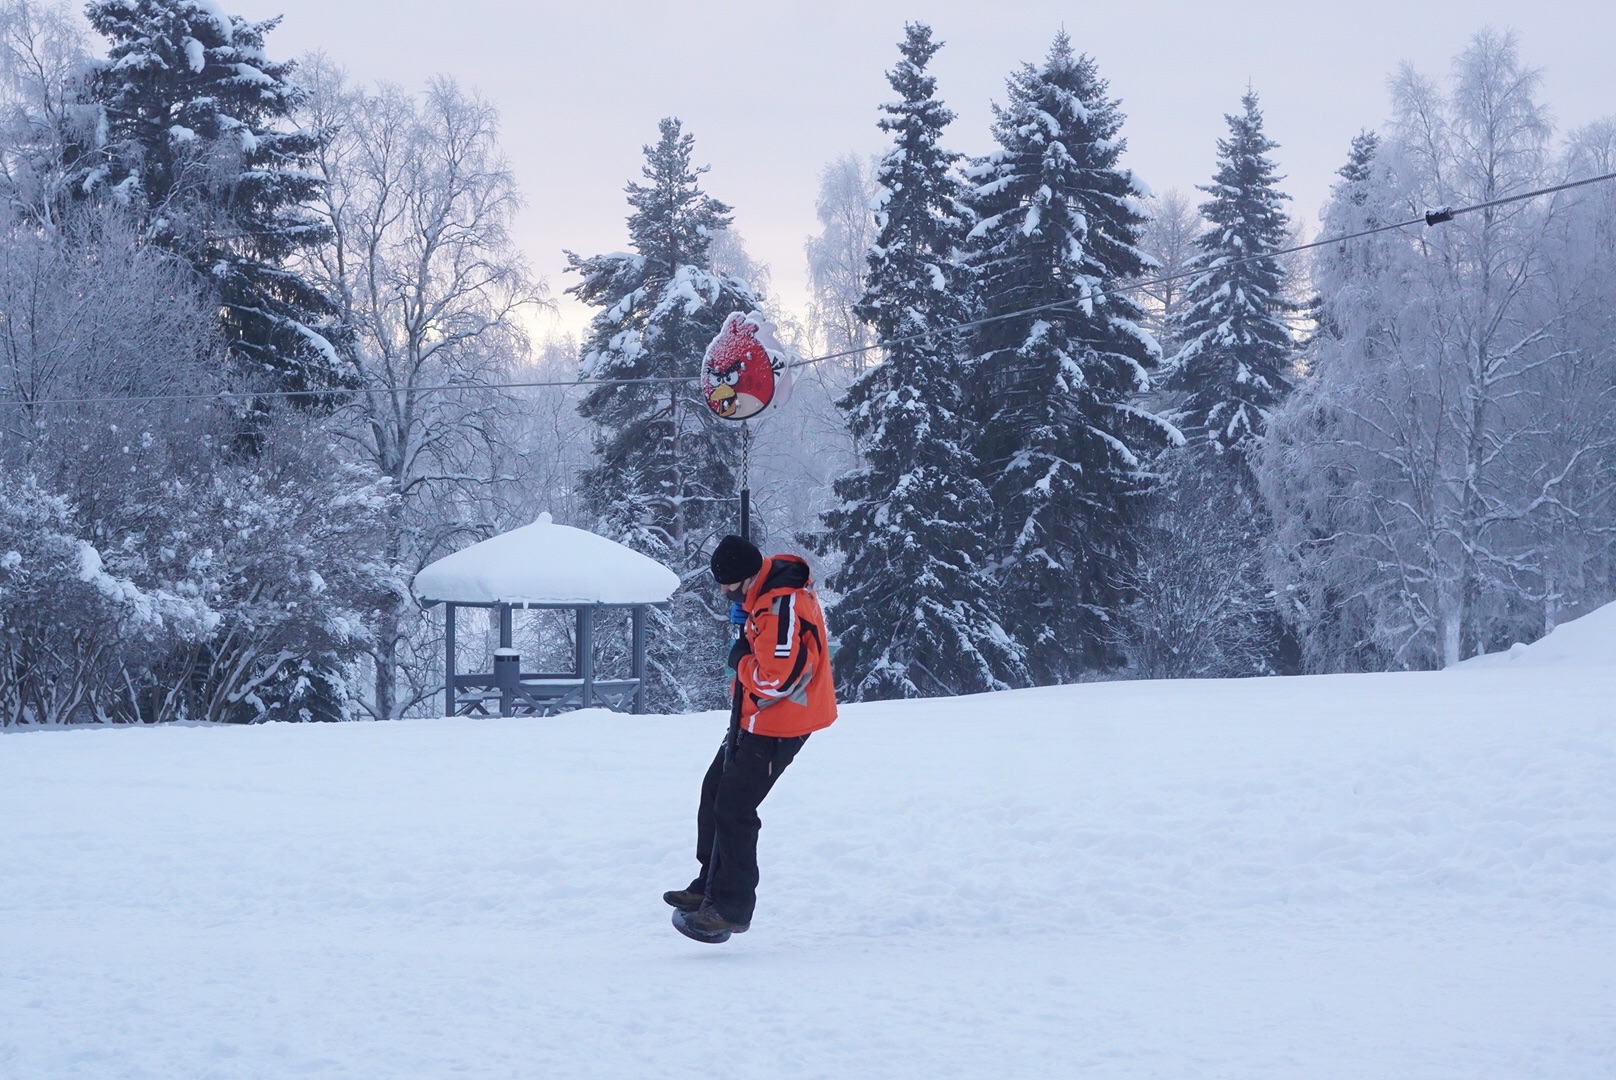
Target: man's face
733 593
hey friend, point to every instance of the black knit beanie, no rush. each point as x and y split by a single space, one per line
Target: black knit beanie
735 560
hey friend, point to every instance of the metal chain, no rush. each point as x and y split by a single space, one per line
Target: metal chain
746 455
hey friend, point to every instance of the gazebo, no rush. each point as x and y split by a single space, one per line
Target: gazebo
544 566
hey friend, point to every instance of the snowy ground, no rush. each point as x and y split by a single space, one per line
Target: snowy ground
1399 876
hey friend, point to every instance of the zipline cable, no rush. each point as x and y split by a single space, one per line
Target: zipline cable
1430 219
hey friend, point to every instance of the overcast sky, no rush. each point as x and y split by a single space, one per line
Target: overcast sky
774 91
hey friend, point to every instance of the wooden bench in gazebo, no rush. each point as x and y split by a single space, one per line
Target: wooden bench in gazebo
544 566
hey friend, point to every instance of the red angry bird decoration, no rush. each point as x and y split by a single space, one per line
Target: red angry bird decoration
742 373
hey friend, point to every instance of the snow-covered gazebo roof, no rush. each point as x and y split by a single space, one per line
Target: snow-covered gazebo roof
545 565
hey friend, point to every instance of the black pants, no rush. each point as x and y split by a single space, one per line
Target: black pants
727 822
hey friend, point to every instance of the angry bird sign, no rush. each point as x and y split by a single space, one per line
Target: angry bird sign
745 369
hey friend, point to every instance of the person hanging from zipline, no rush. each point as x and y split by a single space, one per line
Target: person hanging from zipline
782 692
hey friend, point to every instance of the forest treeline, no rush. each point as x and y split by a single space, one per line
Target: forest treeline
1074 429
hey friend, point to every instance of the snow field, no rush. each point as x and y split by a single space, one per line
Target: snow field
1348 876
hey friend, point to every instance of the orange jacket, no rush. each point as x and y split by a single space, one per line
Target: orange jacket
785 680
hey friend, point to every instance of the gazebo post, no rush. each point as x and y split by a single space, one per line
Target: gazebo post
507 665
448 659
586 653
639 658
578 642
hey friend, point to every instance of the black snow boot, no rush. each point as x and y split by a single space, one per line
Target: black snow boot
683 899
707 926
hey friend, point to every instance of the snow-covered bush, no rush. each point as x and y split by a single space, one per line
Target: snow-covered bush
1199 600
239 591
67 624
284 553
161 571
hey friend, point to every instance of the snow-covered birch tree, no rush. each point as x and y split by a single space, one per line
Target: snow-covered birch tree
848 188
1169 240
45 120
1453 443
417 202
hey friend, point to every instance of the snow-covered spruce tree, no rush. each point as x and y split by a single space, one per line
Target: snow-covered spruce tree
1325 617
665 480
917 613
1062 448
1234 363
1352 212
1201 604
196 140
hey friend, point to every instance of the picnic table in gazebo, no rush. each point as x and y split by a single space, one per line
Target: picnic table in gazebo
554 567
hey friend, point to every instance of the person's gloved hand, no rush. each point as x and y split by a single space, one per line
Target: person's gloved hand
738 650
737 613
